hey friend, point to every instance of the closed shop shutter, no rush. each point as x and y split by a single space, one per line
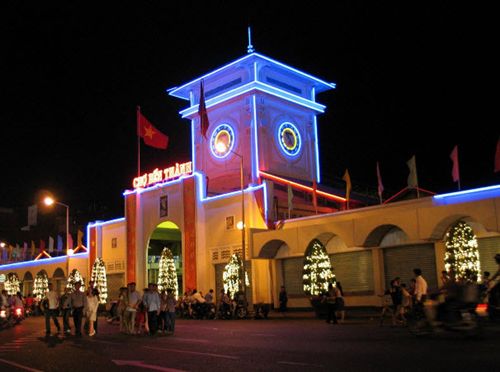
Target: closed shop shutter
292 275
488 248
400 261
114 282
354 270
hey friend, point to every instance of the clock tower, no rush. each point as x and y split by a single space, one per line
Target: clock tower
259 110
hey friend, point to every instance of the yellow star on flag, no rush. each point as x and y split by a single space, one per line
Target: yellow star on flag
149 131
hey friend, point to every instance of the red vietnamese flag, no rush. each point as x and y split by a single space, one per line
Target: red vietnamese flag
202 112
151 136
455 174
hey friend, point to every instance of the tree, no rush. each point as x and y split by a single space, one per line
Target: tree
232 275
461 258
74 277
98 276
167 276
40 285
12 284
318 272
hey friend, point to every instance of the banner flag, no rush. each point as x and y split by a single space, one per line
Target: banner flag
51 244
148 132
412 177
202 112
455 169
59 243
348 186
290 200
380 185
497 157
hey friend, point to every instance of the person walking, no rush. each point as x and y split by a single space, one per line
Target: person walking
170 311
420 286
152 302
283 299
134 299
65 303
51 310
90 309
340 302
77 298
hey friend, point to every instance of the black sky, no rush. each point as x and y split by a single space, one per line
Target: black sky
412 79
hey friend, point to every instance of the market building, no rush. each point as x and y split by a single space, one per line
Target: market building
235 196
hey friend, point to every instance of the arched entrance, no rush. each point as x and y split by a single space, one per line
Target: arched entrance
166 234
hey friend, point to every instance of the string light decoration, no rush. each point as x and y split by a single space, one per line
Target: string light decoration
12 284
74 277
40 285
461 258
232 275
98 277
167 275
318 271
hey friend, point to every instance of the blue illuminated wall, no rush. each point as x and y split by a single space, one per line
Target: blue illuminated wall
256 95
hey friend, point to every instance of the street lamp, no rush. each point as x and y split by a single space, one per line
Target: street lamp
221 147
50 201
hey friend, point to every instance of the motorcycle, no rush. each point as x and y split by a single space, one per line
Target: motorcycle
17 315
453 315
5 318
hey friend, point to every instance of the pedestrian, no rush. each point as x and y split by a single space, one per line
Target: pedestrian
340 302
65 304
420 286
90 309
77 303
122 306
152 303
51 309
386 305
397 300
283 299
171 303
89 291
330 299
134 298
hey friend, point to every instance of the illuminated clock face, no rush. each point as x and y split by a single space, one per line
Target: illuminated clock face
289 138
222 141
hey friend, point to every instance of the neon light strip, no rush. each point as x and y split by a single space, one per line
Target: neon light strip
42 254
468 192
316 148
193 155
255 162
156 186
174 91
51 260
259 86
231 194
302 187
102 223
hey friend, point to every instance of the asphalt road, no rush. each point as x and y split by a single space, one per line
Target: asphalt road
276 344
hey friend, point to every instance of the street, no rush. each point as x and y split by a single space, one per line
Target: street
275 344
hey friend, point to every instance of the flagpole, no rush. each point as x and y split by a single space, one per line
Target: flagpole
138 142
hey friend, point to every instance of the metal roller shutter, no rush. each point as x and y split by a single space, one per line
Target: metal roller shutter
400 261
219 282
115 282
354 270
488 248
292 275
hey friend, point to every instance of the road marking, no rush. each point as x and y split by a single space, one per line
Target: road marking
193 352
138 363
263 334
190 339
26 368
299 364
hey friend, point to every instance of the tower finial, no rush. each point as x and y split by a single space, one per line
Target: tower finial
250 48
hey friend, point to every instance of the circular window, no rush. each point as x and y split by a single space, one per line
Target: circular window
289 138
222 141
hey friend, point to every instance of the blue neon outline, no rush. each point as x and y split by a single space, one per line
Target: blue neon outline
258 86
255 163
42 261
285 151
103 223
471 192
193 146
316 148
231 143
320 83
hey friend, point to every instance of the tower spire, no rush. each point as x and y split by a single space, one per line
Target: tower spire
250 48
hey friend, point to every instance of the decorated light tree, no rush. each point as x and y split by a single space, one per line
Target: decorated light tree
12 284
318 272
461 258
98 277
167 276
40 285
232 275
74 277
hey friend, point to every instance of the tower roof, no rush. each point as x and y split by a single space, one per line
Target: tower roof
230 76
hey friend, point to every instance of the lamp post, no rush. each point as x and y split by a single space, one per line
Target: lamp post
222 148
69 250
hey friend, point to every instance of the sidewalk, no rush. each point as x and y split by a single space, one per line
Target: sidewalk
352 313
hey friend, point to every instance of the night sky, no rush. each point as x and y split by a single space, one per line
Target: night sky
412 79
